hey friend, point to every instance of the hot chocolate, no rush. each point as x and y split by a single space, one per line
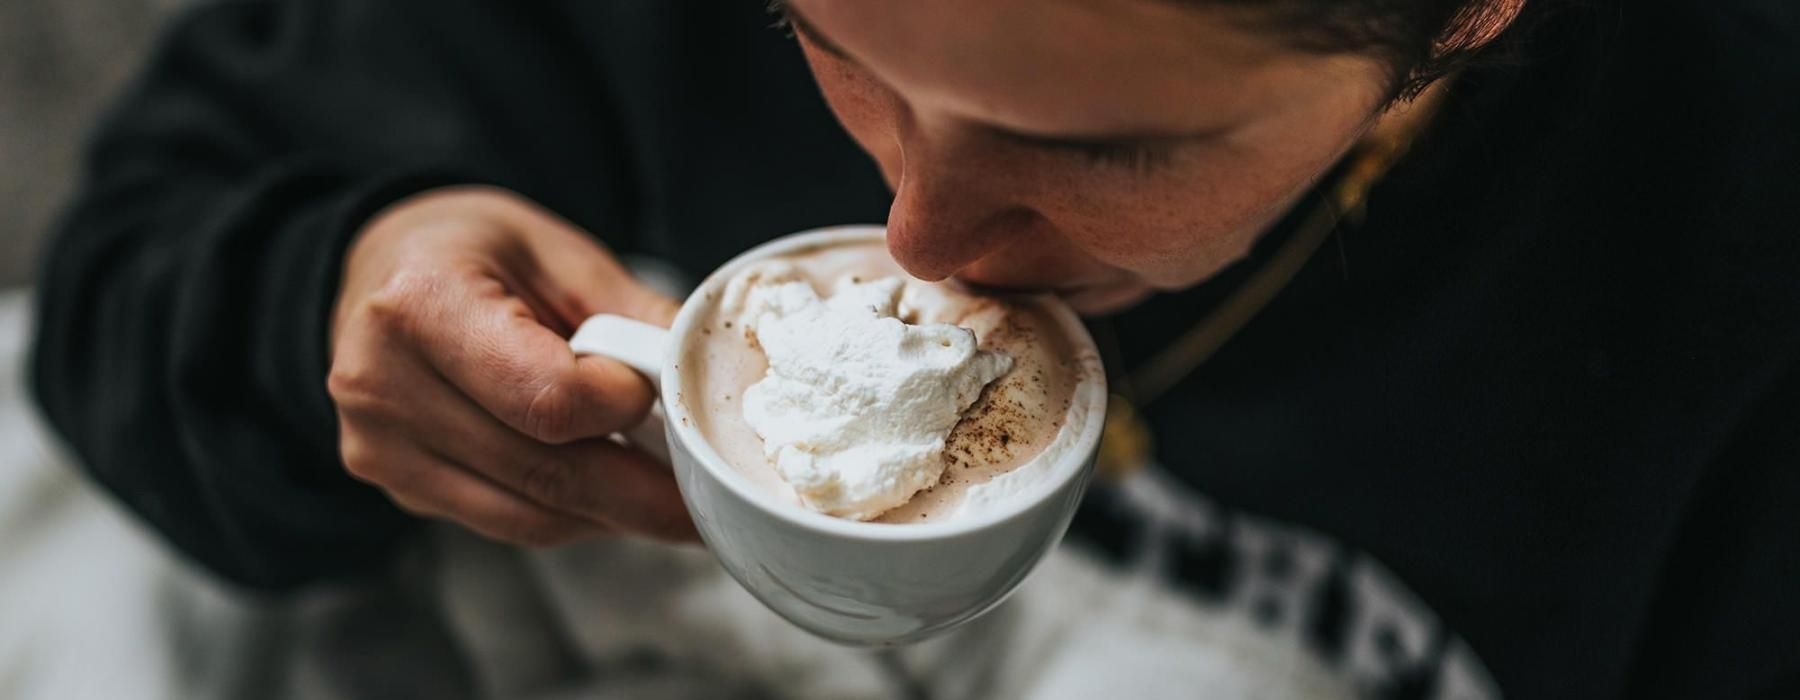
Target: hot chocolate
891 399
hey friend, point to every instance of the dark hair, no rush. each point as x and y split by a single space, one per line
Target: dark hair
1421 40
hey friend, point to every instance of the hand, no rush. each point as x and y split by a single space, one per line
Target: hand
456 390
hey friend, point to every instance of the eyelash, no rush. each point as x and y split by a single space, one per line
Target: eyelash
1140 159
784 18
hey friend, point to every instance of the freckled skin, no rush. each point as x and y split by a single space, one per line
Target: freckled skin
926 82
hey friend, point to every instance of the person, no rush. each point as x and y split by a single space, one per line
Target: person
1522 425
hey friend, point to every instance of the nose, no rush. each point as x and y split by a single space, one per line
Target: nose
952 208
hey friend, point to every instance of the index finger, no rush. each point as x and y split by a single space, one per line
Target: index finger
496 351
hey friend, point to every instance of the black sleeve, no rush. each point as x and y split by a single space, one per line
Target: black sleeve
182 314
1726 617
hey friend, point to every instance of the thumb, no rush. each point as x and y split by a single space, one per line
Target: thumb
588 279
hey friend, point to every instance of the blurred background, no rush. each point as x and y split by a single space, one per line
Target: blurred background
59 61
60 542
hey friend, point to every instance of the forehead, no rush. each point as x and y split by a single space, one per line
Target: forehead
1082 65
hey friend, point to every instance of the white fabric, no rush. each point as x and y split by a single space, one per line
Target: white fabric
84 594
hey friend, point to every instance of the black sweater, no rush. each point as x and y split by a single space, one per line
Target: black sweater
1549 384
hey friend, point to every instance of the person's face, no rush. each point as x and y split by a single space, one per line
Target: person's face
1100 148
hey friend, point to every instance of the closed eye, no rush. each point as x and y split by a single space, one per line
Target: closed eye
1140 158
1139 155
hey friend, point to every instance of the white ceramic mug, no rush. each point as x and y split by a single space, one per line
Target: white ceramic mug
858 583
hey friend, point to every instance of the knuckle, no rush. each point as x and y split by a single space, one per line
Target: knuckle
547 481
367 398
414 506
353 389
359 458
551 413
397 305
388 309
372 462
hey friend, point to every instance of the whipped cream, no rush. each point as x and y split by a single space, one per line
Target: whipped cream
856 404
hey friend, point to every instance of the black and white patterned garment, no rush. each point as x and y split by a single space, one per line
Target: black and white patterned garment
1285 590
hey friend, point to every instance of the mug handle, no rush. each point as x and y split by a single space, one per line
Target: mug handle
642 347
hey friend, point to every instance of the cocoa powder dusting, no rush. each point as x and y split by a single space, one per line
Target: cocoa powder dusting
985 434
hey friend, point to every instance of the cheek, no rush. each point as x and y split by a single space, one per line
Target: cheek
1177 228
1173 230
868 110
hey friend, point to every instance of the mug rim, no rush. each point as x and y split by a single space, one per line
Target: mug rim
1075 464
